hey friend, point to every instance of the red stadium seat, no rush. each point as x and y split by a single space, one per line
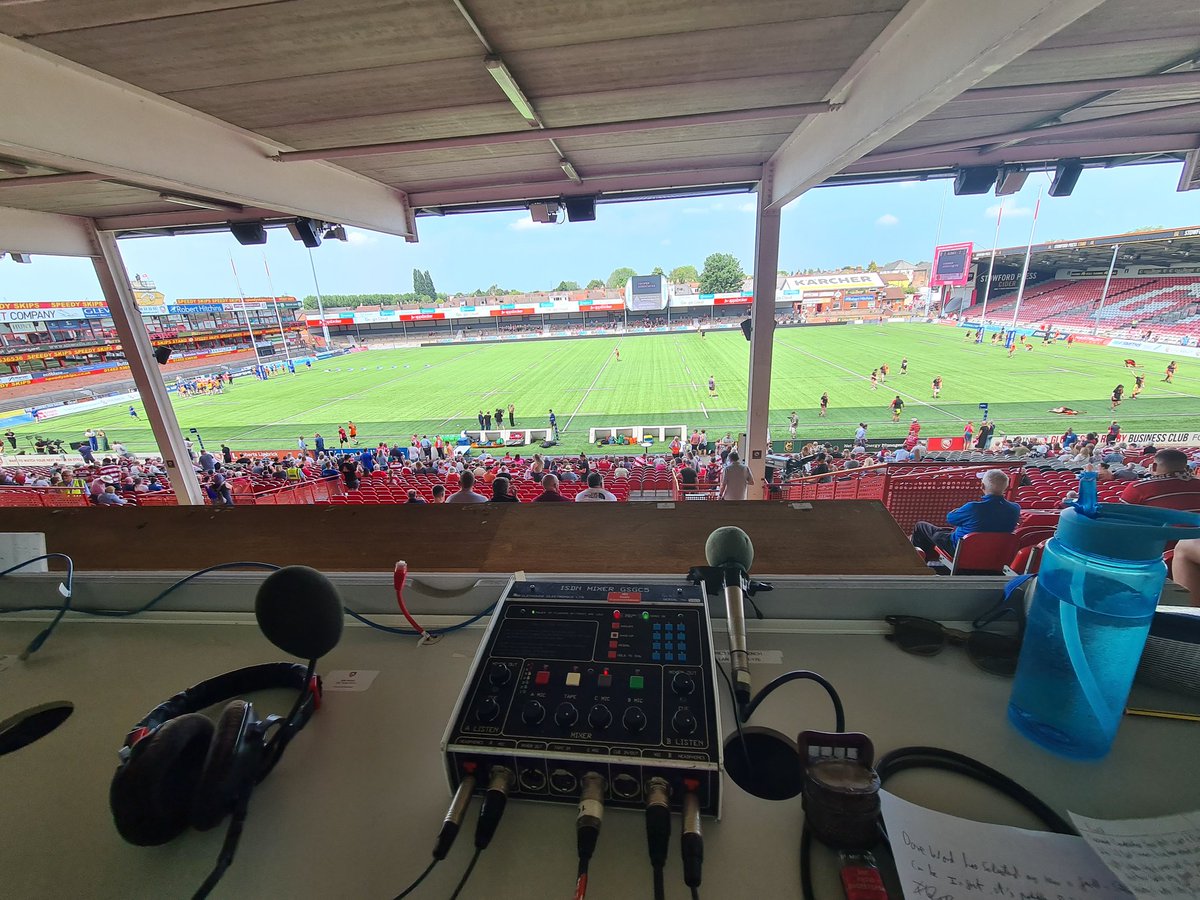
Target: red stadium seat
981 553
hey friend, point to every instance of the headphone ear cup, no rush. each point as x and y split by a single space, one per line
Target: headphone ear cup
228 768
151 794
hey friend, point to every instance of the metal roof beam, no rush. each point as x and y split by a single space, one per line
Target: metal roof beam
724 117
520 191
46 234
58 114
890 87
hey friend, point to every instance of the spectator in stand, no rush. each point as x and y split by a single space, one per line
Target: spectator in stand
110 497
500 492
993 514
687 477
595 492
820 466
465 494
621 471
349 470
208 463
549 492
1105 472
569 475
438 493
414 496
219 492
735 479
1171 484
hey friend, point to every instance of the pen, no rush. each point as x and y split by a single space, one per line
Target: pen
1162 714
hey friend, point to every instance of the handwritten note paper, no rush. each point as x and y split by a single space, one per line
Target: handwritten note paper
941 857
1156 858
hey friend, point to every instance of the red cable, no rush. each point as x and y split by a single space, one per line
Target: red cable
581 887
398 576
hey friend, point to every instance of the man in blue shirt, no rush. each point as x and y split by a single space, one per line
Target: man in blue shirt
367 458
991 514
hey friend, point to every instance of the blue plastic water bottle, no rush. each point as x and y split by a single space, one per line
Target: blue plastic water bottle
1100 580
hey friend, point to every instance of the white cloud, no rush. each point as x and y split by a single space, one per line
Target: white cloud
665 242
750 206
1012 209
524 223
887 220
360 238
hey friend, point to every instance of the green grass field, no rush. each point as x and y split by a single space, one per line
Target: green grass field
662 379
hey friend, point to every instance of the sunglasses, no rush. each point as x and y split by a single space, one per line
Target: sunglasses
992 652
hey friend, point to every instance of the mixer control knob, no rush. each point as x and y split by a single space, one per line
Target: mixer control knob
488 709
683 684
532 712
599 717
683 722
634 719
499 675
566 715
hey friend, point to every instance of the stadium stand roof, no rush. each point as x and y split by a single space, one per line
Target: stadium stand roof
383 109
130 117
1164 247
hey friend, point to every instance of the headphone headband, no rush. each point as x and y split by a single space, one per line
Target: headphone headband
228 686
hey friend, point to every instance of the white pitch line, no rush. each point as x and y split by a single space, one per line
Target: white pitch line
519 373
828 362
583 399
704 409
293 419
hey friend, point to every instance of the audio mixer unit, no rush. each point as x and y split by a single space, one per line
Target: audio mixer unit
593 676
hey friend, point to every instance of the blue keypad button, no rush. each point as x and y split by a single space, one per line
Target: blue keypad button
655 657
655 645
669 645
670 627
670 657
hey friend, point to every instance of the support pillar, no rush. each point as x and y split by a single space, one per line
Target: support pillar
762 335
114 282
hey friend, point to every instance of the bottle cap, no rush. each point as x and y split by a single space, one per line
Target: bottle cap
1126 531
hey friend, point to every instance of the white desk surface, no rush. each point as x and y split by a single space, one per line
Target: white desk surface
353 808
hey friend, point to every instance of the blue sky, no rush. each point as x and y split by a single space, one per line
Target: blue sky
828 227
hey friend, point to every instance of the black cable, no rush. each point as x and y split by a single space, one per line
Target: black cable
412 887
162 595
947 760
66 588
737 720
800 675
806 885
462 882
228 847
695 893
658 830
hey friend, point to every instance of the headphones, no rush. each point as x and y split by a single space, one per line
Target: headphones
178 769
